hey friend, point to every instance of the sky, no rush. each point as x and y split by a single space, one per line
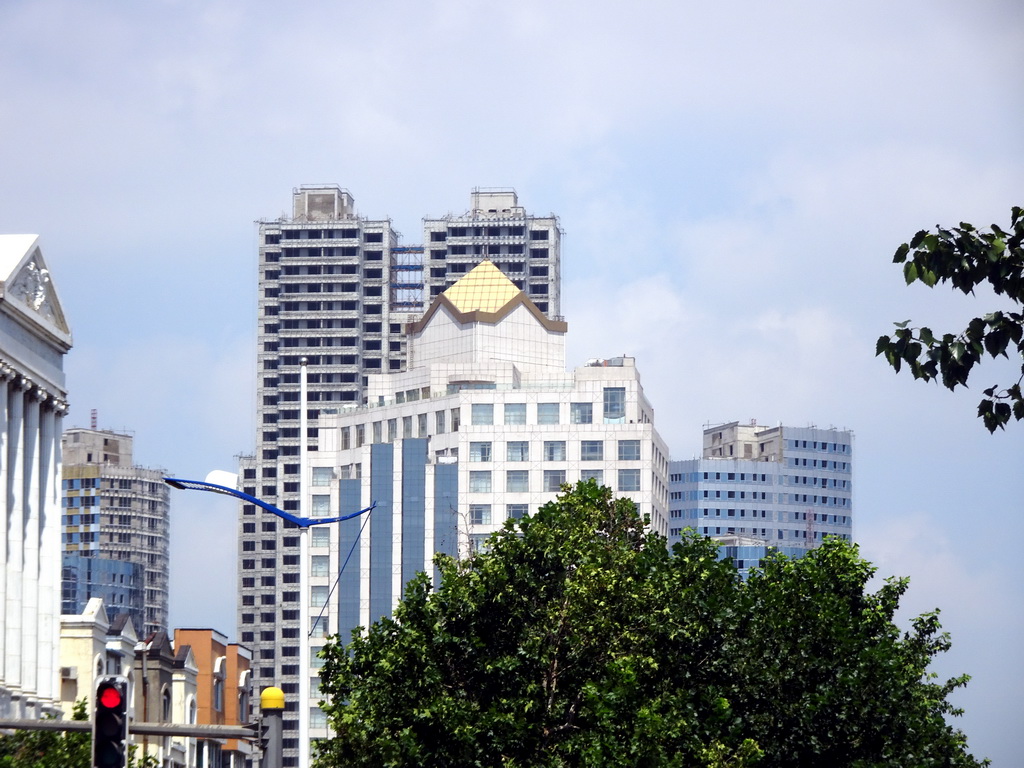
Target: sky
732 178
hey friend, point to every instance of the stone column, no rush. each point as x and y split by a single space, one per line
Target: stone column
15 545
5 374
49 553
32 526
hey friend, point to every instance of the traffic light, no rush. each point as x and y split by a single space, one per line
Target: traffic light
110 723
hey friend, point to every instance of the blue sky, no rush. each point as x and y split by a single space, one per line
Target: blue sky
733 179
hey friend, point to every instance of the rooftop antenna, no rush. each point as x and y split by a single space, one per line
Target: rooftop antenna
93 414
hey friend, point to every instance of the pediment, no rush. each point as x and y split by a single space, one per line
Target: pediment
28 286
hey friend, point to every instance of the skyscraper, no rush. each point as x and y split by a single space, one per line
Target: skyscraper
116 529
758 489
338 290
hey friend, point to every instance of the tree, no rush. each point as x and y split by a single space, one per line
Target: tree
54 749
48 749
965 257
578 639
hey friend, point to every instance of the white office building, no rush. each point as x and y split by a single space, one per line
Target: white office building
484 425
34 337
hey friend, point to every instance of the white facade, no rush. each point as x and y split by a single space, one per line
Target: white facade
90 649
486 425
34 337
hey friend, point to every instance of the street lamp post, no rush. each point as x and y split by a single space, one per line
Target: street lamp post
304 596
303 523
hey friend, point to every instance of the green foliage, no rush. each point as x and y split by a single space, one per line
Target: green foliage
578 639
48 749
965 257
54 749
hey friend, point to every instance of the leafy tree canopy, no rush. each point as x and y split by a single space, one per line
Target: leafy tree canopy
578 639
48 749
966 257
55 749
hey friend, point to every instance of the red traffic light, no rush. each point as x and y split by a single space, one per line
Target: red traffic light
110 697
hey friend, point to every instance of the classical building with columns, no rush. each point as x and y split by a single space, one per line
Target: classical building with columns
34 337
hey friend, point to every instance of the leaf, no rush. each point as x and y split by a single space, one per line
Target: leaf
925 334
904 324
910 272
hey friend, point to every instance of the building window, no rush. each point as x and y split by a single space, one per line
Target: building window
320 536
547 413
479 451
439 422
480 514
318 596
629 450
517 511
482 413
592 450
515 413
614 405
554 479
320 565
480 481
321 505
629 479
518 450
517 480
581 413
597 475
322 476
456 419
421 425
554 450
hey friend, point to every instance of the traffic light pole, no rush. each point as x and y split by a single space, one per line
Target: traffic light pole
268 732
247 732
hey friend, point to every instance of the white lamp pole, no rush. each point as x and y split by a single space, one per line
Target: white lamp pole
226 483
304 593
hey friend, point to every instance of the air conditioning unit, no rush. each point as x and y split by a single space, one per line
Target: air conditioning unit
69 673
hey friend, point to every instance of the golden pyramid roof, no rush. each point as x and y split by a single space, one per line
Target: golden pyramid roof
483 289
484 295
